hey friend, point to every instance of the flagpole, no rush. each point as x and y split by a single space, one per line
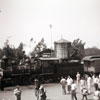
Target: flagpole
51 38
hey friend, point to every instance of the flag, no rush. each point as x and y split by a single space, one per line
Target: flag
50 26
31 39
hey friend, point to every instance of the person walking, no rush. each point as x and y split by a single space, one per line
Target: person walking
96 81
17 93
42 93
84 93
37 86
78 78
89 81
69 82
63 85
82 84
96 95
73 91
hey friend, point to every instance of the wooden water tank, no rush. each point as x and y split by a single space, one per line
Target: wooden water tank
62 48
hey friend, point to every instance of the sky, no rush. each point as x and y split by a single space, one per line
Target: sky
21 20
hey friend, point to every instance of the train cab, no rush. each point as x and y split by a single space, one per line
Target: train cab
47 64
92 64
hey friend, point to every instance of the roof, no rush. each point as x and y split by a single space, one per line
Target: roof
62 41
91 58
47 51
49 58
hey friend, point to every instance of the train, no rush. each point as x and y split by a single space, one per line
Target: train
43 69
46 69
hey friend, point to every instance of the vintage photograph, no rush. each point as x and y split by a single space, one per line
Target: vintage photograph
49 50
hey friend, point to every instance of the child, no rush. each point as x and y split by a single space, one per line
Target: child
17 93
42 93
37 86
84 93
96 95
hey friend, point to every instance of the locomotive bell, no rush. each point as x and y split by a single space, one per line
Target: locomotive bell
4 57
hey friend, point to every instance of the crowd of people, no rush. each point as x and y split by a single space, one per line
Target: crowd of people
40 91
84 83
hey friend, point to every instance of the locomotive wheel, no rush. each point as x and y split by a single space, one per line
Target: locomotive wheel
31 80
26 80
17 81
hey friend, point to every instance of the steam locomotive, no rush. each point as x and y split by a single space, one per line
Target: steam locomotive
44 69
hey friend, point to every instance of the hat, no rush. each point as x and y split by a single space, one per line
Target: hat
36 80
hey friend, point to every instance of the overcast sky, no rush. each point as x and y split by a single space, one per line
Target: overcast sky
21 20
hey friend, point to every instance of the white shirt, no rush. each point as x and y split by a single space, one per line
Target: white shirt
99 85
82 82
88 80
1 73
96 80
17 92
73 86
99 76
63 81
78 76
69 81
96 95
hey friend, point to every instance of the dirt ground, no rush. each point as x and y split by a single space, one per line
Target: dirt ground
53 91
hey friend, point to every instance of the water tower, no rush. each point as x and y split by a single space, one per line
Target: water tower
61 48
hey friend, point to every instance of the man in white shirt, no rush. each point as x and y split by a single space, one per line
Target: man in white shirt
63 85
78 78
73 90
96 81
69 82
89 80
82 84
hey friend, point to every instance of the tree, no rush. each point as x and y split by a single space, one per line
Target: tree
8 51
39 47
20 53
92 51
77 49
1 54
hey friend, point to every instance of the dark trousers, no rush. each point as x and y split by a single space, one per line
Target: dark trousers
73 95
84 96
1 85
96 86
